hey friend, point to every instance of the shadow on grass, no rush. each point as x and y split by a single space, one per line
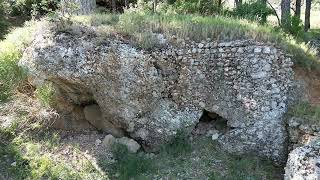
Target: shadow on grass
12 164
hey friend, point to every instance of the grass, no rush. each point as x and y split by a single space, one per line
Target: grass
33 152
11 75
200 159
129 165
139 25
305 110
45 94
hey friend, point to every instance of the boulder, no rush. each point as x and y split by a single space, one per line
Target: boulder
131 144
304 163
151 95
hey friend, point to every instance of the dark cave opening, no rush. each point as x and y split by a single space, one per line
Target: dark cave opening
211 123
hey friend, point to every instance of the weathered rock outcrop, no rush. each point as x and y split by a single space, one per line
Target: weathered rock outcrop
151 95
304 163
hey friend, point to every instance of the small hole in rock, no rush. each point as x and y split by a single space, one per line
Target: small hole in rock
210 123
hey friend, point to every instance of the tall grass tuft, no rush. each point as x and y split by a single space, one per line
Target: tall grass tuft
11 75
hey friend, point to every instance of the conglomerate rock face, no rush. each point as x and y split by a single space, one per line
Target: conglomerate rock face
150 95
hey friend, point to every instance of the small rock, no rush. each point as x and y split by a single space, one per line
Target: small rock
215 136
266 50
98 142
200 45
131 144
108 141
14 164
257 50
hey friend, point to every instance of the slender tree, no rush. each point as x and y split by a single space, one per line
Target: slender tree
113 6
297 12
285 14
126 4
155 2
307 15
78 6
237 3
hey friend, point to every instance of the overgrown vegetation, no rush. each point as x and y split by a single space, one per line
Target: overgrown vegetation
45 94
254 11
11 75
129 165
30 7
201 158
28 151
137 21
304 110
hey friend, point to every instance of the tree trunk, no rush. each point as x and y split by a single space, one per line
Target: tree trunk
219 5
78 7
285 14
113 5
126 4
297 12
155 5
238 3
307 15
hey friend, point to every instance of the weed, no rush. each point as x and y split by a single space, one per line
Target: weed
11 75
306 111
45 94
178 146
130 165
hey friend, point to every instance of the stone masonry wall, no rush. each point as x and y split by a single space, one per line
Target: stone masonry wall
150 95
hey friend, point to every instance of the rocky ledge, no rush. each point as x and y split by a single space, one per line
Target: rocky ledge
110 84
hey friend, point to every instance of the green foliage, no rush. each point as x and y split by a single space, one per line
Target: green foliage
11 75
306 111
45 94
244 168
178 146
204 7
129 165
31 7
3 22
253 10
9 153
296 27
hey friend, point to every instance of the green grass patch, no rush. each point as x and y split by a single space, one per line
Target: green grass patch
129 165
179 145
45 94
306 111
11 75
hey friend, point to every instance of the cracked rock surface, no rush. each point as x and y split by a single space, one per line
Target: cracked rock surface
150 95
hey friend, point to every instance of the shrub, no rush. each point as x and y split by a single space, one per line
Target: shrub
31 7
296 28
11 75
204 7
253 10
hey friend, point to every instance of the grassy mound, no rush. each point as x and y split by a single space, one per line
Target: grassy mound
140 25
